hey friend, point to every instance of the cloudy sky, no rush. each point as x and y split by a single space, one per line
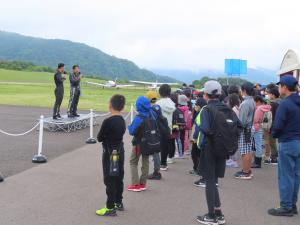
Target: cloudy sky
170 34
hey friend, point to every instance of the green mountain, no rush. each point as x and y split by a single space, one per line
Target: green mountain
92 61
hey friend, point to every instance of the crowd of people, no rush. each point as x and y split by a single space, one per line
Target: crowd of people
219 126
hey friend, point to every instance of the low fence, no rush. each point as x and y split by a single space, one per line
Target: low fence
40 157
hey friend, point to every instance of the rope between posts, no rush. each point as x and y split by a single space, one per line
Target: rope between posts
127 116
22 134
100 115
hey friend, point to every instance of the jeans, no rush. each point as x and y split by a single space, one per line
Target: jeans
273 145
258 140
289 172
267 144
156 160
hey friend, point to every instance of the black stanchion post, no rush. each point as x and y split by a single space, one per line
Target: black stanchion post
1 177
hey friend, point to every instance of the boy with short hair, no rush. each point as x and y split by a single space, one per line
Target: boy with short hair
167 107
111 135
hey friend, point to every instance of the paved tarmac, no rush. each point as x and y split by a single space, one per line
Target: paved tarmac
16 152
68 190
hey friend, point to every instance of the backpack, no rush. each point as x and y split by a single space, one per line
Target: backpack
225 130
178 118
162 123
150 136
188 117
267 121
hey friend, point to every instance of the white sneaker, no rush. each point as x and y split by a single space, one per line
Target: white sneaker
170 160
163 168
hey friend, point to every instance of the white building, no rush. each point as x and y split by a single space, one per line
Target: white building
290 64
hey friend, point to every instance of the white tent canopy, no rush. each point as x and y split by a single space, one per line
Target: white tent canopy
290 63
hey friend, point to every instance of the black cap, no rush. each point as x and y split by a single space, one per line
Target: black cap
60 65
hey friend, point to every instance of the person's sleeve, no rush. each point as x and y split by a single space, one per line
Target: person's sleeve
205 126
243 115
280 120
58 78
133 127
196 132
102 133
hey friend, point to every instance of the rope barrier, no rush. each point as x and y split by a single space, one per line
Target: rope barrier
22 134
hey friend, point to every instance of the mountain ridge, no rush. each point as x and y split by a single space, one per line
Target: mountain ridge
92 61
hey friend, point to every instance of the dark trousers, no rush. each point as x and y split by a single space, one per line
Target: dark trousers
74 99
182 136
212 194
114 184
195 156
211 169
167 149
59 95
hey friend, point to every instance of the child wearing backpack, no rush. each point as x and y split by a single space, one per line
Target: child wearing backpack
188 117
111 135
156 175
219 139
262 110
138 184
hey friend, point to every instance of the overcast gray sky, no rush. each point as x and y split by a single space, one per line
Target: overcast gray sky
172 34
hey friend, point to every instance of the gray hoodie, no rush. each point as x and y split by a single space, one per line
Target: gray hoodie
167 108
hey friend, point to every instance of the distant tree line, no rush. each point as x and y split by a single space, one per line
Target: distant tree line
222 80
24 66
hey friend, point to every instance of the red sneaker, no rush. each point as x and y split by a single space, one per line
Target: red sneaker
143 187
134 188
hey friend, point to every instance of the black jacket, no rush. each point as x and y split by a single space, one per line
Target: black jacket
74 80
59 80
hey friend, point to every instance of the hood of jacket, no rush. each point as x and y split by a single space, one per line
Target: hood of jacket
183 108
143 105
264 108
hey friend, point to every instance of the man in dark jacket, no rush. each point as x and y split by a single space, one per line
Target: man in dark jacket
59 78
75 78
286 128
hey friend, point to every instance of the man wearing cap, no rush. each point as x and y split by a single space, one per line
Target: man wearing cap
286 128
59 78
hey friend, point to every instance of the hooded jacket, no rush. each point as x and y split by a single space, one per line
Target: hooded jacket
188 116
167 108
259 116
286 126
143 107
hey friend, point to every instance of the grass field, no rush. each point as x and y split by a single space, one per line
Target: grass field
37 89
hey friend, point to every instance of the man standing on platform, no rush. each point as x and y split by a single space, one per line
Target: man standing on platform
75 78
59 79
